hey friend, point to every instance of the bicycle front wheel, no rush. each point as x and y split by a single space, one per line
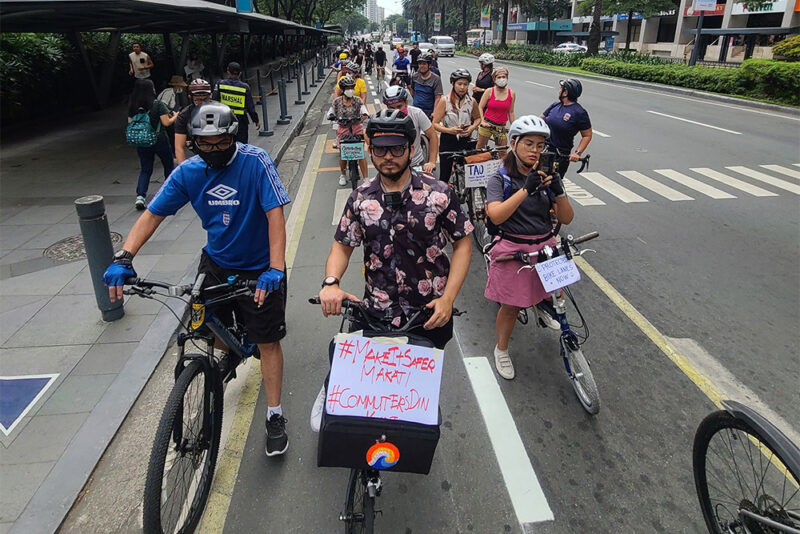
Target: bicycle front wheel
184 454
353 171
582 379
359 507
477 214
742 484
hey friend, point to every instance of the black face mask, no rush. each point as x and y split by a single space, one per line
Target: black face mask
217 159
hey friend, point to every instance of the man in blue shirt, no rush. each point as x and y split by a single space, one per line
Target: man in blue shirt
402 66
426 87
565 119
237 193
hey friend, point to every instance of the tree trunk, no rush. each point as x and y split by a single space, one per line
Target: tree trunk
505 25
463 33
630 30
594 30
442 31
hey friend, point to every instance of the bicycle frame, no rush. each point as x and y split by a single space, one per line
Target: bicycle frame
558 310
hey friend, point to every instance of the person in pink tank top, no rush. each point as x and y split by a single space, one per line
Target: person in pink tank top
497 110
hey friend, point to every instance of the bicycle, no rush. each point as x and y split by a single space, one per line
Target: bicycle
364 483
187 440
351 150
471 190
746 473
575 363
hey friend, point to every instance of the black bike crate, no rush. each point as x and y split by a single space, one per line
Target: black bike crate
345 440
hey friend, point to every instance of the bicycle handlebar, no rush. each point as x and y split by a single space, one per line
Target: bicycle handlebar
548 252
418 319
143 287
466 153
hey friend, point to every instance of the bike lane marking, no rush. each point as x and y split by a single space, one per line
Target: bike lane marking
230 457
694 122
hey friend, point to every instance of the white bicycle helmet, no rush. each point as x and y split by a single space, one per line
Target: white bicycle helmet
529 125
394 94
486 59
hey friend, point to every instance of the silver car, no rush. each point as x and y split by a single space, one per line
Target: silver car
444 45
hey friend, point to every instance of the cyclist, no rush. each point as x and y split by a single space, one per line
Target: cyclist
237 193
337 66
396 97
456 116
404 220
380 62
368 55
199 93
413 55
236 94
349 111
484 80
360 89
426 87
497 110
519 200
359 58
401 68
565 119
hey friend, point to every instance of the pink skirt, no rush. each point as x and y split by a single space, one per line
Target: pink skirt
505 285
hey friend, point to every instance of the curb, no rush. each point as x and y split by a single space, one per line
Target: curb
665 88
56 495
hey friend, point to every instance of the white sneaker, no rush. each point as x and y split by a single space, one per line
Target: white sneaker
503 363
342 179
545 319
316 410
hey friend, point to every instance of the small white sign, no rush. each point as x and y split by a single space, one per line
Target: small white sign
557 273
351 151
384 378
477 174
704 5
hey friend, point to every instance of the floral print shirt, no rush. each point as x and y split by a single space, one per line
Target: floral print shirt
405 266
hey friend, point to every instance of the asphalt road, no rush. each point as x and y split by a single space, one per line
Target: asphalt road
715 274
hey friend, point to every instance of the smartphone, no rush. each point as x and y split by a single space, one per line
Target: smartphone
547 162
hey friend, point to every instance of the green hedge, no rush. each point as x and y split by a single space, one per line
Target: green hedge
788 48
529 53
758 78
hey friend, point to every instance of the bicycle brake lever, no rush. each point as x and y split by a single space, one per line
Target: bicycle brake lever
584 251
524 267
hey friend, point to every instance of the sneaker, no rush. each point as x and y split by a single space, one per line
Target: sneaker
503 363
316 410
277 440
139 203
342 180
545 319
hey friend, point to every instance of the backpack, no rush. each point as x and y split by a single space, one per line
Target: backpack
140 132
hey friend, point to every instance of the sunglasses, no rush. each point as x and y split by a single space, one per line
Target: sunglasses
205 146
397 150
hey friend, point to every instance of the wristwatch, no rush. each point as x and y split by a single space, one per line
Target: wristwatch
123 254
579 152
330 281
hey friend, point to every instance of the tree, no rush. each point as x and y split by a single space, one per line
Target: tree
646 8
352 22
547 10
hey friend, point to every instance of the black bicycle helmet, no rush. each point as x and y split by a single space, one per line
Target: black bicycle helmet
573 88
425 57
213 118
392 121
460 74
347 82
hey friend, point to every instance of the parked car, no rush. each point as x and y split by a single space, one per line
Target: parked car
570 48
444 45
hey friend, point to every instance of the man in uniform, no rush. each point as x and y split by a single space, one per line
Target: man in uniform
236 95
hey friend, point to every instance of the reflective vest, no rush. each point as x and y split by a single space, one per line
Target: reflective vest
232 96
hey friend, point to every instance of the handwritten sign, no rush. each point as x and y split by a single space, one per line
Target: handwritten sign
351 151
384 378
477 174
557 273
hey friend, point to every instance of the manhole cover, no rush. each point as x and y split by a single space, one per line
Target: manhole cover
71 248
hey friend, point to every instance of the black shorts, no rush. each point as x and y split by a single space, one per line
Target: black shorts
266 324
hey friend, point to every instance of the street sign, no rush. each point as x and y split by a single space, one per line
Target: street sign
704 5
410 25
244 6
437 22
486 16
394 28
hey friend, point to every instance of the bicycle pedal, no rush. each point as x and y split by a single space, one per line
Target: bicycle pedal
522 316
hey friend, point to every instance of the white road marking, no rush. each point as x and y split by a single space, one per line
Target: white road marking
527 496
734 182
377 101
767 179
374 93
691 183
782 170
625 195
598 132
580 195
796 164
694 122
655 186
539 84
338 205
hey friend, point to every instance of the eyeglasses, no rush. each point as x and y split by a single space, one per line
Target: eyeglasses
205 146
397 150
539 147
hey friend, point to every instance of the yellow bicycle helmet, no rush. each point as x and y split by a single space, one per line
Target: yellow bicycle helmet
342 56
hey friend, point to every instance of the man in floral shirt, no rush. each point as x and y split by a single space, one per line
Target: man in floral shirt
404 220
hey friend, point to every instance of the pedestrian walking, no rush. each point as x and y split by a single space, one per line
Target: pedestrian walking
194 67
143 100
174 96
236 95
140 62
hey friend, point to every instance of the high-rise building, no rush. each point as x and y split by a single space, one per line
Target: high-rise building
371 11
381 14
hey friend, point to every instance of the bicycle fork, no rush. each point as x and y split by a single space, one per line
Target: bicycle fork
567 342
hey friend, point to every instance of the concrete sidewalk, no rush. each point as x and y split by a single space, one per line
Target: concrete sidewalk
67 379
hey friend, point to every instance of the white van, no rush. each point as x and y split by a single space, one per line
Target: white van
444 45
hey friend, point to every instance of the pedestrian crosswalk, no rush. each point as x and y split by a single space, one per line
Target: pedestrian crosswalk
597 188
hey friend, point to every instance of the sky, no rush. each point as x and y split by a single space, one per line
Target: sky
392 7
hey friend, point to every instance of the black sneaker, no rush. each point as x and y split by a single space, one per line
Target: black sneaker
277 440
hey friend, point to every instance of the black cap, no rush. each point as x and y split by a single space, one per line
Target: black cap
234 68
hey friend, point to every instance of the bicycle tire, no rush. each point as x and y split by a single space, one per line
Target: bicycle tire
352 171
153 507
478 217
720 422
359 507
582 378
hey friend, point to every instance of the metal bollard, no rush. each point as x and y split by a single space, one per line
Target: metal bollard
313 70
305 80
288 73
99 251
299 101
264 131
285 117
272 81
321 70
